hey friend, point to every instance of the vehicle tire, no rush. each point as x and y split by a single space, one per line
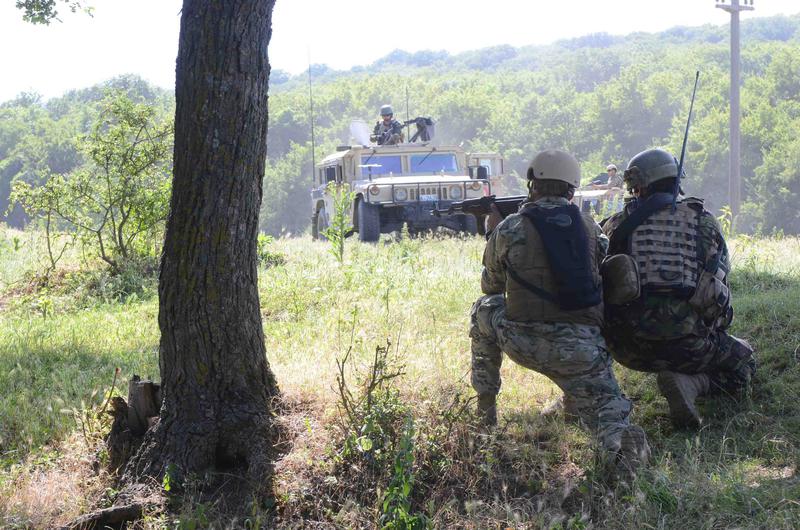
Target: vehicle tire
469 224
369 222
314 230
320 224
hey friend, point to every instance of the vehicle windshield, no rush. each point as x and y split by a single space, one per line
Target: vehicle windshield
381 165
489 165
434 163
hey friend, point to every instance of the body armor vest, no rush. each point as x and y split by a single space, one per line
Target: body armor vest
531 264
665 247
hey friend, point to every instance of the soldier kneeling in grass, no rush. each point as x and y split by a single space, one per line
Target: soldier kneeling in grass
667 298
543 307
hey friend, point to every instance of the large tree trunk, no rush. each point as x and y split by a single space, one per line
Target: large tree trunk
216 383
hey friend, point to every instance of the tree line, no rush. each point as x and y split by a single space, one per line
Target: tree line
601 97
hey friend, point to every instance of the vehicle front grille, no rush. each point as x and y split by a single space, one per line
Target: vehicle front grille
416 193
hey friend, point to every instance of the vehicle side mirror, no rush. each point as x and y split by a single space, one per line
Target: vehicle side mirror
483 173
330 174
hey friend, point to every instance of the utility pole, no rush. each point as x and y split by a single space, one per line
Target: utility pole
735 183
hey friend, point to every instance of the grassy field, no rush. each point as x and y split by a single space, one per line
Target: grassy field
423 463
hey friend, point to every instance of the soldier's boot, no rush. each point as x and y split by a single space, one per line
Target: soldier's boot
681 391
741 349
634 452
562 404
487 409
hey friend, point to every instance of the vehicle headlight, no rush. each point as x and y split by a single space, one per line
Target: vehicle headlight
374 189
456 192
475 185
400 194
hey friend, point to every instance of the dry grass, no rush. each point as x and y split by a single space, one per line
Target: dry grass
53 486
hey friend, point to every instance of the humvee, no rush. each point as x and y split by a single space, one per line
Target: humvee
393 185
599 199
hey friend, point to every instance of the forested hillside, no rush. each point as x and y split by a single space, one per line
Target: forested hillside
601 97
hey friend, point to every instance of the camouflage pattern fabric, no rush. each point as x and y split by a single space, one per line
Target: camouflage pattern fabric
660 316
573 356
728 361
663 332
509 233
385 132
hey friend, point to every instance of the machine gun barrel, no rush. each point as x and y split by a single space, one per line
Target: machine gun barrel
481 207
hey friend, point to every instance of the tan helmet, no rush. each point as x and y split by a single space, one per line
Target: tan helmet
553 164
611 167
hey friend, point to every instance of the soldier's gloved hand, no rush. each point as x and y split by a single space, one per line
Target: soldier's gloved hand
494 218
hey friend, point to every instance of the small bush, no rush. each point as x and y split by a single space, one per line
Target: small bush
266 255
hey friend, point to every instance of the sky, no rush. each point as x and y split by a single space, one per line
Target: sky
141 36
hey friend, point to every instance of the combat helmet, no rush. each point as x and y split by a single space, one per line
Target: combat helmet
386 110
648 167
553 164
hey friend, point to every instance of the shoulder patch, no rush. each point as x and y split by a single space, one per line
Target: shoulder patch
511 229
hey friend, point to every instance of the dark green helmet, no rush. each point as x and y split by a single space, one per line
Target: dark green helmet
650 166
386 110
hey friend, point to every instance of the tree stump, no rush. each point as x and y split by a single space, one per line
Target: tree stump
131 420
144 403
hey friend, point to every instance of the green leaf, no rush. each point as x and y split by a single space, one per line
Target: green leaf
364 444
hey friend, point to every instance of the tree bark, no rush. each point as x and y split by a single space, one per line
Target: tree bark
216 383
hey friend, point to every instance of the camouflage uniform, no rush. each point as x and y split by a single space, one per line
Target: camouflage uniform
572 355
387 133
662 332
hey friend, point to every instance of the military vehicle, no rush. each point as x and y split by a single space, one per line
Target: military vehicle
399 184
599 199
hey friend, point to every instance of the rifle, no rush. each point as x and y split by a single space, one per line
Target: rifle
481 207
382 138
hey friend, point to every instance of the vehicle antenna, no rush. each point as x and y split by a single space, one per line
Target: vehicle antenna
408 118
311 118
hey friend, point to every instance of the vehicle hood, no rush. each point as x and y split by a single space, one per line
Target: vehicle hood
416 179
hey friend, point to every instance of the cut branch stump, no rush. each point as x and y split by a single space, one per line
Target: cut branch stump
131 420
144 403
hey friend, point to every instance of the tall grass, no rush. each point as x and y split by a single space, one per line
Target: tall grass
738 471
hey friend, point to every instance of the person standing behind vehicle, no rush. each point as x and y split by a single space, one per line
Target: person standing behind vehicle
668 303
388 131
543 307
614 178
611 179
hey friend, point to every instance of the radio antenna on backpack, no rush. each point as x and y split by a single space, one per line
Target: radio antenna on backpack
677 189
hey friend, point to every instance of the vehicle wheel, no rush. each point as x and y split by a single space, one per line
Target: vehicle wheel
469 224
369 222
319 224
314 231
